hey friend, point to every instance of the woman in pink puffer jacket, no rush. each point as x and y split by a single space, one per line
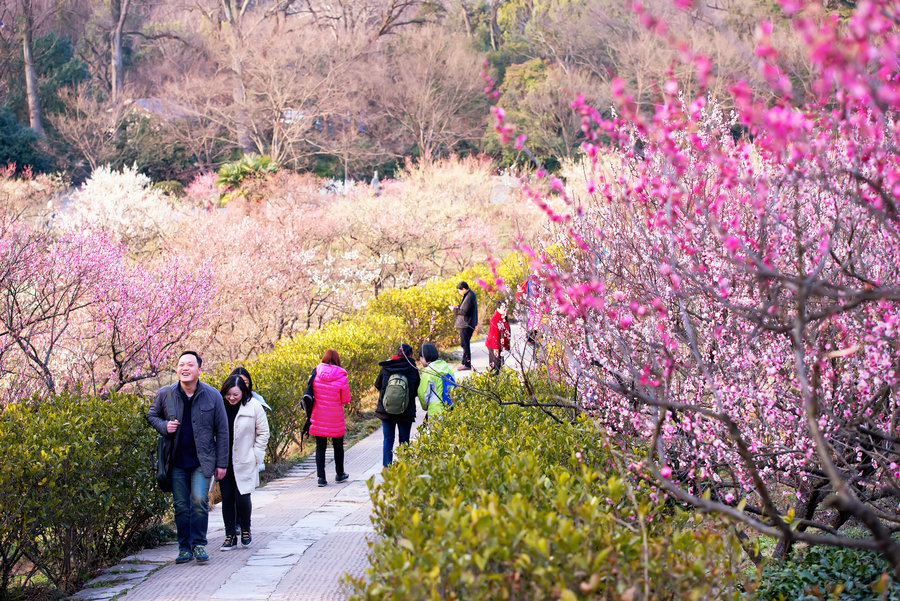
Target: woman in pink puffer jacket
331 392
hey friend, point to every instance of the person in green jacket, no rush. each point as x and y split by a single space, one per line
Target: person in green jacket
431 386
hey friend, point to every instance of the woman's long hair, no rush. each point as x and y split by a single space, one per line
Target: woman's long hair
235 380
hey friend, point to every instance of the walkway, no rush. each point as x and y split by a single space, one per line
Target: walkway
305 539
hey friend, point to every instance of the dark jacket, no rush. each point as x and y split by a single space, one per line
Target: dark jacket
467 312
208 419
397 365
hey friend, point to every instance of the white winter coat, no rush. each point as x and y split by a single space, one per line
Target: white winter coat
251 434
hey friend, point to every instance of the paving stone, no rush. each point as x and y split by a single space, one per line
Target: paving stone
128 567
98 594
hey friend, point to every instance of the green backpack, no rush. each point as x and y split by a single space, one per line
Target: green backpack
396 394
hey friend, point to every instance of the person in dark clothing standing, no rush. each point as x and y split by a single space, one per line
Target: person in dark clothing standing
200 431
466 321
397 373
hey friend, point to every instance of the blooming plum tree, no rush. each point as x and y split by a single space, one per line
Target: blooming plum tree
730 290
75 309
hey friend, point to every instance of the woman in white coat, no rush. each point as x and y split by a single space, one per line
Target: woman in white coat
248 431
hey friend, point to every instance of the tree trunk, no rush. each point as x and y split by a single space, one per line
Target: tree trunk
120 13
244 140
239 95
31 83
495 28
467 19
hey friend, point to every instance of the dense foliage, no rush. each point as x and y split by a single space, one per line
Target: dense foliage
827 573
19 145
76 486
499 502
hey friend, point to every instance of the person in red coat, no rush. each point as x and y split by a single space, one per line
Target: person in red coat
331 392
498 337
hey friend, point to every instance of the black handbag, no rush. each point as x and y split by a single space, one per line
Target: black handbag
308 401
164 447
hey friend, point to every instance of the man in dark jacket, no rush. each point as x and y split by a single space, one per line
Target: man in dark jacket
200 451
400 364
466 321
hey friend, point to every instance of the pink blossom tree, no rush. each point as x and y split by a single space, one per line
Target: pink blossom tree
77 310
730 288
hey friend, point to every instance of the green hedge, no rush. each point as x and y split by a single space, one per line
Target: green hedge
827 573
492 502
76 485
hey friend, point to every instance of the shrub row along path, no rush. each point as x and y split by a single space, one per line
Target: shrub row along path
305 539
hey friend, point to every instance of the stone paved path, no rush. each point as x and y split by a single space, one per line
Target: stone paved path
305 538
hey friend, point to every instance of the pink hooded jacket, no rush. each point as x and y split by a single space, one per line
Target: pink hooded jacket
331 393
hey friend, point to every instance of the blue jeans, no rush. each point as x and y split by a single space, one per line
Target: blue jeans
190 489
387 426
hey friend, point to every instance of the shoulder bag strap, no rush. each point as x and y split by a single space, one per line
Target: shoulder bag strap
170 403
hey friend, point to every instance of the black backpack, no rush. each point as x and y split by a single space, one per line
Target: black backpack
308 402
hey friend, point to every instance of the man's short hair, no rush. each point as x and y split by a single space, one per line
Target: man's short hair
462 286
195 354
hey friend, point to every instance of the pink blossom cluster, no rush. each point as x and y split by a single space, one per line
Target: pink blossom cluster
77 311
730 289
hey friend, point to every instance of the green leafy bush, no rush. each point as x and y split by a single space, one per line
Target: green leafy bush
503 502
248 166
144 141
170 187
828 573
19 145
77 488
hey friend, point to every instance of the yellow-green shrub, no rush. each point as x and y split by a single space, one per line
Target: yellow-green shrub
425 309
502 502
76 485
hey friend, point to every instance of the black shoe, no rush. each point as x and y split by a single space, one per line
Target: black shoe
322 481
246 539
342 477
230 542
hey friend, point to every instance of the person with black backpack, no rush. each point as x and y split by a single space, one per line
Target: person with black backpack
397 384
